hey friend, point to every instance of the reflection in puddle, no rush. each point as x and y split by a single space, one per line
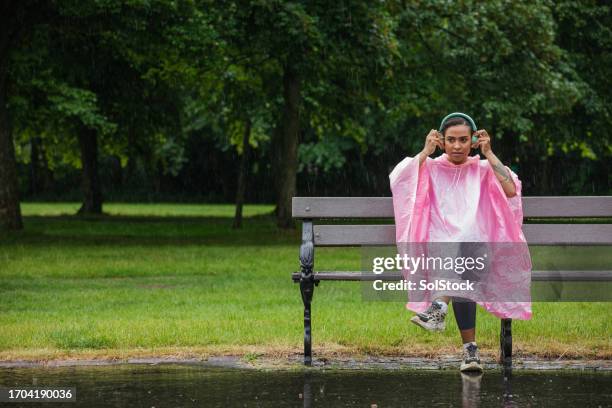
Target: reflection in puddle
470 389
196 385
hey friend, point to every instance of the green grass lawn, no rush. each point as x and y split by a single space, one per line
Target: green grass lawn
146 209
176 279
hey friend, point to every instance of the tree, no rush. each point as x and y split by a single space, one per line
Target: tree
317 49
98 69
16 20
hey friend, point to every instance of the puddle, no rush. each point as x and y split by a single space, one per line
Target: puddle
191 385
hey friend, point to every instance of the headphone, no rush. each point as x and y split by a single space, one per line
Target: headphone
460 115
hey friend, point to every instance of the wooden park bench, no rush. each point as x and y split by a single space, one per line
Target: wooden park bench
315 209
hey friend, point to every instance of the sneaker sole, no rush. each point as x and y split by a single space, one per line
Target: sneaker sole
473 366
422 324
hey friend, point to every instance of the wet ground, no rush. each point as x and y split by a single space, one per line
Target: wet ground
233 382
295 362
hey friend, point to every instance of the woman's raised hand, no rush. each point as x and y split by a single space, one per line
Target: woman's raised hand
433 140
484 141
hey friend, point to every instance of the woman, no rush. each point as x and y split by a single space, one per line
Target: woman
460 198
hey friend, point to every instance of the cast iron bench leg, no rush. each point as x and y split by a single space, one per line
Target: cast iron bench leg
307 284
307 289
505 342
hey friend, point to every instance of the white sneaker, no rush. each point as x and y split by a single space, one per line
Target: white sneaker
431 319
471 359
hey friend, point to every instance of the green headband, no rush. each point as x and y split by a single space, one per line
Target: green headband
460 115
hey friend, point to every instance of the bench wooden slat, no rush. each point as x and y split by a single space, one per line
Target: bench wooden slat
382 207
568 234
578 206
583 276
342 207
536 234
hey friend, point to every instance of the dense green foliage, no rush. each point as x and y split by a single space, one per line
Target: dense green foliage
167 88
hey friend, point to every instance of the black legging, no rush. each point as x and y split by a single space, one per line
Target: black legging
465 309
465 313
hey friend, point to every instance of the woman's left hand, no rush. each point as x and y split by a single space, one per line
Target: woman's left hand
484 141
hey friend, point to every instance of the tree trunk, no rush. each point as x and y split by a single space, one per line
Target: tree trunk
116 172
10 211
92 200
35 181
41 178
242 175
275 160
132 154
288 147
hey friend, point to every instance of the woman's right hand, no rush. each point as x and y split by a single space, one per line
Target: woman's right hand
433 140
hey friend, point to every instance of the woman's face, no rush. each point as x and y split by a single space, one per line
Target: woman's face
457 143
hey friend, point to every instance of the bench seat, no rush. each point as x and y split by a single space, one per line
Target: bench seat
549 221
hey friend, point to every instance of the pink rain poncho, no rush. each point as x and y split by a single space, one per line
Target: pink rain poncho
443 202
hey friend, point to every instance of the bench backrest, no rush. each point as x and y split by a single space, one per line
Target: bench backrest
541 233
